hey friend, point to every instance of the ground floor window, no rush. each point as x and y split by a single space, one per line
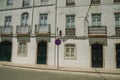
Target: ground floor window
22 49
70 51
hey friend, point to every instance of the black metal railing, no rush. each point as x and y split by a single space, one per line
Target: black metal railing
23 29
70 31
97 30
42 29
6 30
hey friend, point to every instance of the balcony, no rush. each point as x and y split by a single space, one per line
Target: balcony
6 30
70 31
23 30
42 30
97 31
117 29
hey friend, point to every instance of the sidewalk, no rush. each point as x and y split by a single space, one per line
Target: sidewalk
46 67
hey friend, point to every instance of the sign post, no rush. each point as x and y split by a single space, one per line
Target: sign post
57 42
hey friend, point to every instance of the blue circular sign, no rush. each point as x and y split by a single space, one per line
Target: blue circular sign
57 41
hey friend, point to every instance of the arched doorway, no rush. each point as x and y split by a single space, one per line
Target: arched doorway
5 51
97 55
118 55
42 53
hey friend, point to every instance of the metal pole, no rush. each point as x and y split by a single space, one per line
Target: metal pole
57 56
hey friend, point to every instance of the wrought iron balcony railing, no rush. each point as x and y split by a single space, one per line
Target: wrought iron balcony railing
70 31
6 30
97 31
23 30
42 30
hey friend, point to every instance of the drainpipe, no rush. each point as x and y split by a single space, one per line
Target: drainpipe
56 31
31 28
85 19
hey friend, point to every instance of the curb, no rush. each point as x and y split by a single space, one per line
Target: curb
65 70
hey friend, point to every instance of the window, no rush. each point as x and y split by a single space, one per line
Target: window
26 3
96 19
117 19
43 20
22 49
116 0
70 21
70 2
44 0
70 25
70 51
95 1
8 20
24 19
9 2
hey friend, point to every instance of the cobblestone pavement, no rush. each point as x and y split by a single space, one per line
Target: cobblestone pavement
8 73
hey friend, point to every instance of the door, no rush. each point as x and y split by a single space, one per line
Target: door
5 51
42 53
118 55
97 55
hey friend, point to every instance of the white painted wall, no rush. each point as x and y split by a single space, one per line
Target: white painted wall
83 48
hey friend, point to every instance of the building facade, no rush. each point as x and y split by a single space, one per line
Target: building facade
89 31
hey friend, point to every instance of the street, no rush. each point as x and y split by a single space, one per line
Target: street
9 73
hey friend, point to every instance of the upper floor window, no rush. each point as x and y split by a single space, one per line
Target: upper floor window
96 19
116 0
8 20
70 2
117 19
9 2
95 1
26 3
24 19
70 21
43 20
70 51
44 0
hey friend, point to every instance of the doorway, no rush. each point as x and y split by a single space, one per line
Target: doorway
118 55
5 51
97 55
42 52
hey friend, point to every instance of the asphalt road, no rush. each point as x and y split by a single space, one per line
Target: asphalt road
7 73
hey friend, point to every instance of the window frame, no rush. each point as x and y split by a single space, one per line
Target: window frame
44 0
68 45
9 2
70 2
23 52
96 19
116 1
8 21
24 22
95 1
26 3
43 22
117 19
71 21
